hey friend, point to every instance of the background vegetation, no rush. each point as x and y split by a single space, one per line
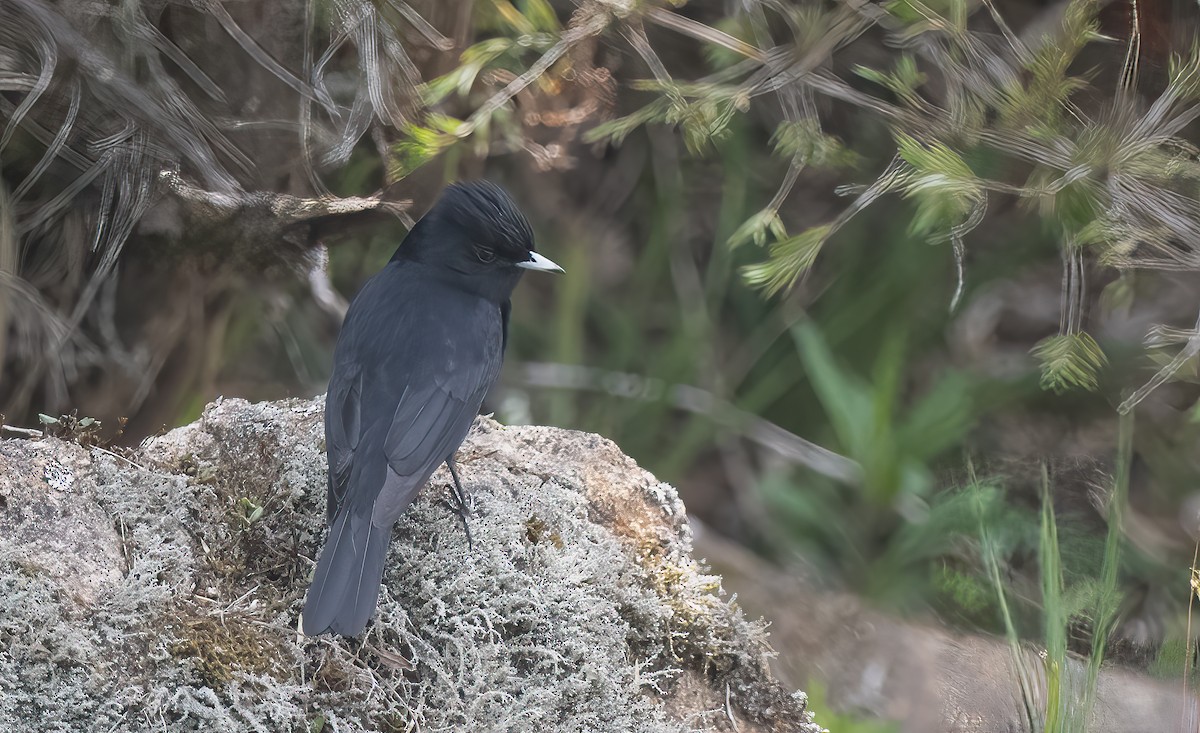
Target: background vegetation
882 287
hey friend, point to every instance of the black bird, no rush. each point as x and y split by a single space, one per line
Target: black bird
421 345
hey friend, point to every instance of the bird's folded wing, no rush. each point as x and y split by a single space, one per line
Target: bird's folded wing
343 430
428 426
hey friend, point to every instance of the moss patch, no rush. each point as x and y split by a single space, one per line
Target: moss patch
221 647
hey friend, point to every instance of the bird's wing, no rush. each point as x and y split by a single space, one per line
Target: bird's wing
428 425
343 430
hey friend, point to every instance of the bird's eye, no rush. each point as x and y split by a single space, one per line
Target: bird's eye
485 254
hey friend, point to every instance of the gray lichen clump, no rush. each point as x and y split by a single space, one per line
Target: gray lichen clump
160 591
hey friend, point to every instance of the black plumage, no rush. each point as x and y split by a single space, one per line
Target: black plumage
421 346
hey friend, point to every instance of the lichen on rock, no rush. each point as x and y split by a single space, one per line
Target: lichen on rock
161 591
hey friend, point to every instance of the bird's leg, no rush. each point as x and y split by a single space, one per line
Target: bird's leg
460 496
464 501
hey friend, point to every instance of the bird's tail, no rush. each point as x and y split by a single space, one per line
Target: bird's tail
345 586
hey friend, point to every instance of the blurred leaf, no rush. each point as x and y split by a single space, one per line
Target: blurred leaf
967 593
928 14
473 60
422 143
756 228
845 398
1054 614
541 15
946 189
1069 361
941 419
720 56
806 510
803 141
1036 101
703 122
702 111
1080 597
513 17
951 515
249 510
934 159
790 258
617 130
903 80
1074 208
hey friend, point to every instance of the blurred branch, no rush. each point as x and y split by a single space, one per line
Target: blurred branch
8 262
588 21
701 32
1190 349
424 27
330 300
27 432
697 401
264 59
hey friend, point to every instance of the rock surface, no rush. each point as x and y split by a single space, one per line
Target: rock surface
161 591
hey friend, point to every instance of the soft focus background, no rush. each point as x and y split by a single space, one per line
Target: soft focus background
902 296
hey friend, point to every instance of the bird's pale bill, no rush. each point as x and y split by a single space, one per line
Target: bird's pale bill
538 262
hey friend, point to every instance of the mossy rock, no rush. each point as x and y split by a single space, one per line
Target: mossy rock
163 589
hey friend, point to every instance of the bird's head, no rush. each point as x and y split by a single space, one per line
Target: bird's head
476 232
